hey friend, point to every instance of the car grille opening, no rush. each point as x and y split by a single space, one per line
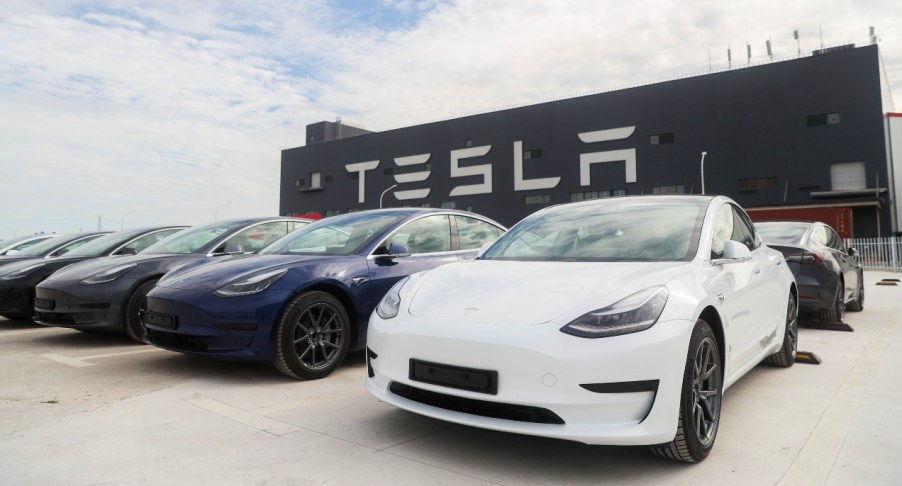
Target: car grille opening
55 318
175 341
483 408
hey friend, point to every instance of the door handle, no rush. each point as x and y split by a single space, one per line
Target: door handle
720 296
757 270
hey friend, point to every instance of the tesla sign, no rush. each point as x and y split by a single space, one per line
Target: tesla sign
484 171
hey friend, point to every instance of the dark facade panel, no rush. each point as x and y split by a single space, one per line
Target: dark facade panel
753 124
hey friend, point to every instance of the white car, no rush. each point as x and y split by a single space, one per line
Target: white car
616 321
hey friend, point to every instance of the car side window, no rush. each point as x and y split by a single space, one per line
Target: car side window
25 245
145 241
819 236
258 236
431 234
834 241
473 233
744 231
723 230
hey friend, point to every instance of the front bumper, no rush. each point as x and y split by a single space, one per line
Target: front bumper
538 369
198 322
93 309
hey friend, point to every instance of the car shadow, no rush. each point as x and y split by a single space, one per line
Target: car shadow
16 324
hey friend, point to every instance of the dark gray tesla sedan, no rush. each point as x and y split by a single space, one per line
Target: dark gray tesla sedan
828 274
110 294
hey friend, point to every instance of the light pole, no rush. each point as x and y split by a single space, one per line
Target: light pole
703 171
383 194
122 223
216 213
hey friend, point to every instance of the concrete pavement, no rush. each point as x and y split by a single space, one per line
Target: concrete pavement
79 408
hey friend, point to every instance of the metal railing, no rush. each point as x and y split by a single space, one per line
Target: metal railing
878 253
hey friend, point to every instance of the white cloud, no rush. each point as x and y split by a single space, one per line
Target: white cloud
172 108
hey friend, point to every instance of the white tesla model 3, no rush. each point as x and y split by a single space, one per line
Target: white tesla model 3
615 321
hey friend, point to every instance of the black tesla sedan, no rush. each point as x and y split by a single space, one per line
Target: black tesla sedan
18 279
51 248
827 273
110 293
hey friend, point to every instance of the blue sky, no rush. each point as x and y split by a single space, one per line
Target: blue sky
171 109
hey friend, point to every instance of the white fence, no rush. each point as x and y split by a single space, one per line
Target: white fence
878 253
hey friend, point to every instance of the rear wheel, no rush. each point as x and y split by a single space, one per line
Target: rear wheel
313 336
857 305
700 400
786 356
836 311
135 309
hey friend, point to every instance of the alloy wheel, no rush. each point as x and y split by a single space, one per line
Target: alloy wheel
706 378
317 336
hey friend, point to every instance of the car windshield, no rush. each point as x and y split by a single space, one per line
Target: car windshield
101 245
782 233
44 247
641 229
338 235
191 240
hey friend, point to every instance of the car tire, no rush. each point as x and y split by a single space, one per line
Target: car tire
135 309
786 356
312 337
834 314
857 305
700 399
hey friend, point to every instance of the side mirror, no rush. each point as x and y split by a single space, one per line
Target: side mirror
60 252
483 248
12 252
853 252
233 248
127 251
396 250
734 250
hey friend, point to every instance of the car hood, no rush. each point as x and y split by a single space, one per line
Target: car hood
58 263
214 276
514 292
80 270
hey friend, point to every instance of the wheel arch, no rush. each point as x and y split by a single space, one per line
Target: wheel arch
123 308
710 315
343 296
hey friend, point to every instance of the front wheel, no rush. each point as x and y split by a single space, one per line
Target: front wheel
135 309
313 336
786 356
699 401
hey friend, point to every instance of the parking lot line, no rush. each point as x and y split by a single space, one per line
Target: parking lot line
4 334
83 363
67 360
259 422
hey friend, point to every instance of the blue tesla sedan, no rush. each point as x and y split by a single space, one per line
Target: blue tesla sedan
305 301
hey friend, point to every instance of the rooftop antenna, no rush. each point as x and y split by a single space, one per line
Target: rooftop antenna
709 54
795 35
748 50
770 53
821 31
873 35
729 58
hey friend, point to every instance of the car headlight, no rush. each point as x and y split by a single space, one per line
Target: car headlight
251 285
21 272
109 274
635 313
389 305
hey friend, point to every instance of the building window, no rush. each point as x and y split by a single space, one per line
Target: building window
328 178
847 176
468 142
449 205
299 182
759 183
674 189
532 154
425 205
469 208
331 212
588 195
315 180
662 138
823 119
537 199
353 210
